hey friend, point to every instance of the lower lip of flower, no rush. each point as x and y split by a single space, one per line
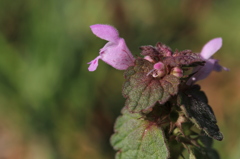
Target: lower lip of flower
158 73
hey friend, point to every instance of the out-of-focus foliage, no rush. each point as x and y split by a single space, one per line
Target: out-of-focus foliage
52 107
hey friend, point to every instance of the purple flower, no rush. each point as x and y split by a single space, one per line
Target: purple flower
115 52
158 70
211 64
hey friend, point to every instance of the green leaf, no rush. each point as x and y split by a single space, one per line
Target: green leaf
137 138
192 156
142 91
195 106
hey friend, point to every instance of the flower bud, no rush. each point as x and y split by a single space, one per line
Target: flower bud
178 72
159 70
148 58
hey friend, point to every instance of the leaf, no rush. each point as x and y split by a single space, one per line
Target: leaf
136 138
157 52
183 58
195 106
163 49
149 51
192 156
142 91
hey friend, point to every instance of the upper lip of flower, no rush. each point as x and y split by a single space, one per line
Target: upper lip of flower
115 52
211 48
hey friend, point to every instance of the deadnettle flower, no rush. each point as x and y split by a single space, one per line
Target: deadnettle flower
158 70
115 52
210 64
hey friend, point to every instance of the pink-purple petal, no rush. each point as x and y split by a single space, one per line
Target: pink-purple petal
105 32
158 66
148 58
93 64
204 71
217 67
115 52
211 47
201 72
117 55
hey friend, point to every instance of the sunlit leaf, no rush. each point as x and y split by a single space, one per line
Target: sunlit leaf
136 138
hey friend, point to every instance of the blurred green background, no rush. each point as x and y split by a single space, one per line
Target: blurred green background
51 107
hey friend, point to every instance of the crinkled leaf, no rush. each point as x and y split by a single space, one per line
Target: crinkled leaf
158 51
149 51
163 49
136 138
195 106
183 58
144 91
170 86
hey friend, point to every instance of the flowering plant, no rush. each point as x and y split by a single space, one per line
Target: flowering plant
165 111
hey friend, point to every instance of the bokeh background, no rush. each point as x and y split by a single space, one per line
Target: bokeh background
51 107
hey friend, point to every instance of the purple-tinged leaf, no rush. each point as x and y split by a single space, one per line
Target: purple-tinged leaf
149 50
183 58
143 91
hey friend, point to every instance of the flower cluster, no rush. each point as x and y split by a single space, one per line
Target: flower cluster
117 54
163 102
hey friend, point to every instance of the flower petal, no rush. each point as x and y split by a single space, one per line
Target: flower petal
158 66
205 70
218 67
93 64
117 55
211 47
148 58
105 32
201 72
